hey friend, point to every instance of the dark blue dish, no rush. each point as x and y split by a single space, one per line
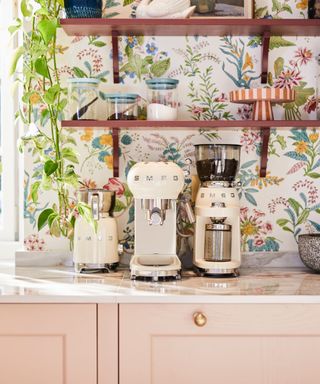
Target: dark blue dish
83 8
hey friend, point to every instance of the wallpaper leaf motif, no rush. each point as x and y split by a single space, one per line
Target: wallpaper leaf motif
207 69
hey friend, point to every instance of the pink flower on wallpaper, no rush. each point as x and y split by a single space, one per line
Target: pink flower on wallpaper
249 140
197 110
94 55
312 190
222 98
280 201
115 185
34 243
303 56
256 231
288 79
88 183
311 105
245 112
65 70
296 167
258 242
77 39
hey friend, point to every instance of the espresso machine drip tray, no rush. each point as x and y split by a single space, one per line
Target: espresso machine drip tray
95 268
155 261
153 268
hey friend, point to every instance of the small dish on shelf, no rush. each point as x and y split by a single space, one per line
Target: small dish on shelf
262 100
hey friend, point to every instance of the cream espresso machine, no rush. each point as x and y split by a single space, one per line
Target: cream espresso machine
155 187
96 251
217 229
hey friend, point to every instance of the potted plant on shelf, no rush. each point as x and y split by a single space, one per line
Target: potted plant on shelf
42 105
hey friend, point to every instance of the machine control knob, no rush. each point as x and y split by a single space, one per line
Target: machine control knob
200 319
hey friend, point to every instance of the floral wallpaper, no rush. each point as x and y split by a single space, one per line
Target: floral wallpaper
275 209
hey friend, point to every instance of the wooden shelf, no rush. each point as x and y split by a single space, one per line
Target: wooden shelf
193 26
191 124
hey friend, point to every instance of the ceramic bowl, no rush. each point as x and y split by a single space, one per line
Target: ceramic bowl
309 250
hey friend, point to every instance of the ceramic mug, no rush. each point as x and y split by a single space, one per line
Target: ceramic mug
83 8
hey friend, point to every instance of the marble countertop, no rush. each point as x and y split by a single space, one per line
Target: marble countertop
63 285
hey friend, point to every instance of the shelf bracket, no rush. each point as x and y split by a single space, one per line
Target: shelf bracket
265 57
115 145
115 56
265 133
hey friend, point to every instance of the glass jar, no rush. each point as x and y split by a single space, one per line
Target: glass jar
162 99
122 106
82 98
204 6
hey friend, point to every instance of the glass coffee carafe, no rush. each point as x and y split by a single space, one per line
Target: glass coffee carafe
217 162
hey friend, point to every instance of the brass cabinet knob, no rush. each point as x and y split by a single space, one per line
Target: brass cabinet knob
200 319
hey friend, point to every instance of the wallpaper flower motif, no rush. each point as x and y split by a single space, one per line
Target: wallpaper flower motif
256 232
276 209
299 210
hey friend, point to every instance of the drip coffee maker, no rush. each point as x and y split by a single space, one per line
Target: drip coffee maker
217 229
155 187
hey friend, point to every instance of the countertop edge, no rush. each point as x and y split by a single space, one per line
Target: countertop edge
232 299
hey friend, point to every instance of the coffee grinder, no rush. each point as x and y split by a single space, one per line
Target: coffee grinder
155 187
217 229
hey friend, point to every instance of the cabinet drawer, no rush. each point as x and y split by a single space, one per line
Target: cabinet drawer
225 343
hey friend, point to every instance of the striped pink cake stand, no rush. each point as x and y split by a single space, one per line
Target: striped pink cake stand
262 99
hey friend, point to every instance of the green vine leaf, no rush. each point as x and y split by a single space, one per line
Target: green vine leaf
41 67
26 8
51 95
50 167
34 191
69 154
43 218
17 54
48 29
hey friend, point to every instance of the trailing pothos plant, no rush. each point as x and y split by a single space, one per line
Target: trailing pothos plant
41 108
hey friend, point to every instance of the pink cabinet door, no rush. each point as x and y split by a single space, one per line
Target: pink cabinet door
48 344
240 343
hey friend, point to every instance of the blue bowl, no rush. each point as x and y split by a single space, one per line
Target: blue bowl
83 8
